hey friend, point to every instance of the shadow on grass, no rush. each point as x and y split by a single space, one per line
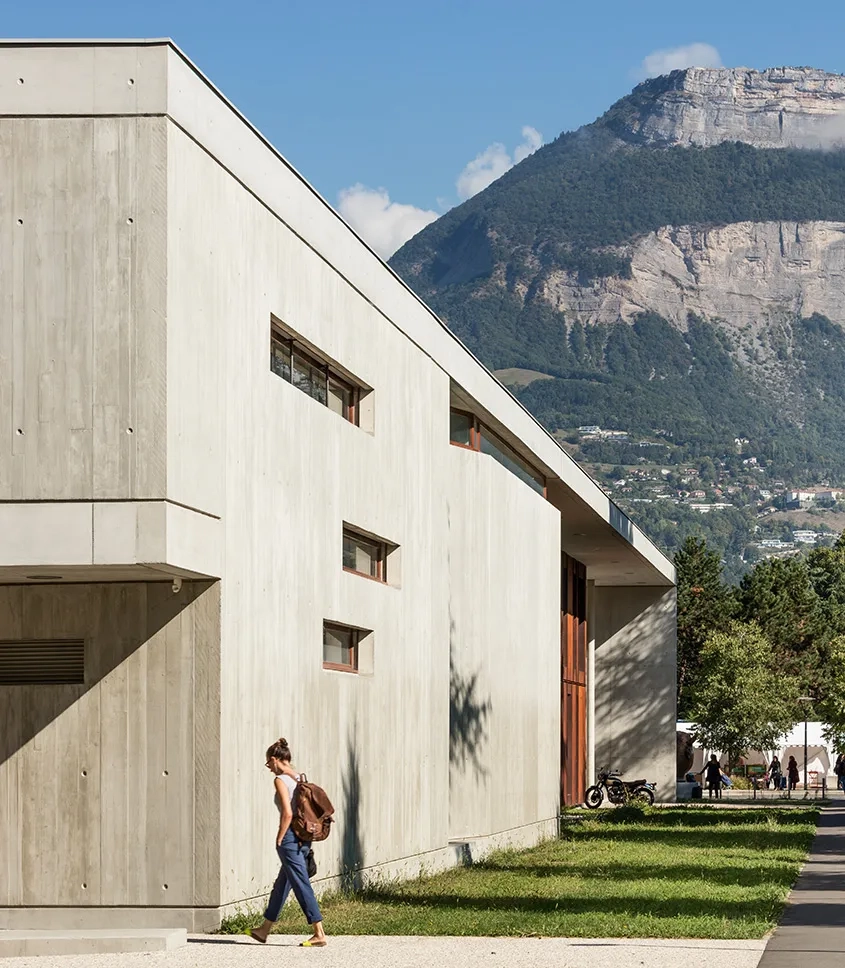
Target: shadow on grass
781 873
624 818
759 909
748 840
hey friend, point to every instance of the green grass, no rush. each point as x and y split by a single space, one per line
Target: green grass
685 872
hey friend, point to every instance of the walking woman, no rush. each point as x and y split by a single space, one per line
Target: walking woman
775 773
792 774
292 853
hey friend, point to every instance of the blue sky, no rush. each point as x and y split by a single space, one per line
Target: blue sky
402 96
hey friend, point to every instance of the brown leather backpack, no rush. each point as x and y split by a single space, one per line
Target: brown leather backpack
312 811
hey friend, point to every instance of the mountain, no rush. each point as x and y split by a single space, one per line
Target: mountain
677 265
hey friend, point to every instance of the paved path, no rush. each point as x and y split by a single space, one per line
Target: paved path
812 929
212 951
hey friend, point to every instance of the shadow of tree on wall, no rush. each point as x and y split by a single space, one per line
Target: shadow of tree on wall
468 714
635 691
352 848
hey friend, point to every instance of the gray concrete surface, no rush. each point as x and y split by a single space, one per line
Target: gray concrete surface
379 952
813 924
18 945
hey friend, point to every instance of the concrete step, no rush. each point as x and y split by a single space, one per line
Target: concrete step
90 941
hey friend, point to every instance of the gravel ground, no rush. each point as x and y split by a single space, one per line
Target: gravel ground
212 951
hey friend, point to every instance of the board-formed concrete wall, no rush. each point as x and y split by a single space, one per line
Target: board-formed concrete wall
82 308
109 791
504 637
479 553
162 267
636 653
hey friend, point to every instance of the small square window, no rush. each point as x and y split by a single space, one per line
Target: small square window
461 426
340 647
365 556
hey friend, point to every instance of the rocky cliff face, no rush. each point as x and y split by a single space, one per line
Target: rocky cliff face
777 108
747 273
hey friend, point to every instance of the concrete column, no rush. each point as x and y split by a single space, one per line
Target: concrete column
591 682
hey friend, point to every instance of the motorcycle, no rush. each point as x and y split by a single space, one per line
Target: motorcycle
618 791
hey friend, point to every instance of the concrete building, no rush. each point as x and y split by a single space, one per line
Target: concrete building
251 486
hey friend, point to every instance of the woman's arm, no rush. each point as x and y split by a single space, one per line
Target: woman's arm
285 811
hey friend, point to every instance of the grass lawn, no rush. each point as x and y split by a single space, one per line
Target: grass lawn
673 872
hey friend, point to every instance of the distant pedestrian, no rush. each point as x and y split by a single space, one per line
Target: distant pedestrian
775 773
713 777
792 774
292 853
839 770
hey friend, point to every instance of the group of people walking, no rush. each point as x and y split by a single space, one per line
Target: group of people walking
776 778
715 777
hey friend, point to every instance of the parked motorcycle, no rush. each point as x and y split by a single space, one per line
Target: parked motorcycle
618 791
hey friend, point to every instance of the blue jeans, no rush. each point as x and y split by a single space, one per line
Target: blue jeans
293 875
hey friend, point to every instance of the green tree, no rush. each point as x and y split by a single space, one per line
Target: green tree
779 596
739 700
826 568
705 605
829 705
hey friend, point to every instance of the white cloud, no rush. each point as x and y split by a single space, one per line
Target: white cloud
388 225
533 140
676 58
385 225
494 161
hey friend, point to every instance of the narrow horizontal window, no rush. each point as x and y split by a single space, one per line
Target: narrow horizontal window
340 647
500 451
364 556
296 365
465 430
42 662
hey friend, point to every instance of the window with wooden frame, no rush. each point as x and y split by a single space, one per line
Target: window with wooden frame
364 555
297 365
466 430
340 647
463 429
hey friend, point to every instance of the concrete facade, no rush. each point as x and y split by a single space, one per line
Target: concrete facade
172 502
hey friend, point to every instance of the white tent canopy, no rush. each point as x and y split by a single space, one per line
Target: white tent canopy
820 756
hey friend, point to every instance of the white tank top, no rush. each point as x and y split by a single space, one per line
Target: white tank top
289 782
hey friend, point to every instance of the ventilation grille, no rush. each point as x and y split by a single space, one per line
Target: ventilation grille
42 662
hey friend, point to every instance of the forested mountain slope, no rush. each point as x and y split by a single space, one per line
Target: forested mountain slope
678 265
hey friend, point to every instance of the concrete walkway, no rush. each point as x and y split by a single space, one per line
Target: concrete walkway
813 925
214 951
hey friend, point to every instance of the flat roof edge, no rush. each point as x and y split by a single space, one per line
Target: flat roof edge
650 552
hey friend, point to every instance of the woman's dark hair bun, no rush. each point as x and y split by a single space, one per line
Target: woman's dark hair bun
280 750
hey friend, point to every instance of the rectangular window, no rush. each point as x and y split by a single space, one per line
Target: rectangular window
364 556
465 430
42 662
340 647
296 365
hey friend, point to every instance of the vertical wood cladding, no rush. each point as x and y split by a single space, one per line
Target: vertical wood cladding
573 681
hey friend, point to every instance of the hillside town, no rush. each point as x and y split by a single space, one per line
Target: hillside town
781 509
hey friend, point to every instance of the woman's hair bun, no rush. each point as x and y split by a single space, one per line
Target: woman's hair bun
282 741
